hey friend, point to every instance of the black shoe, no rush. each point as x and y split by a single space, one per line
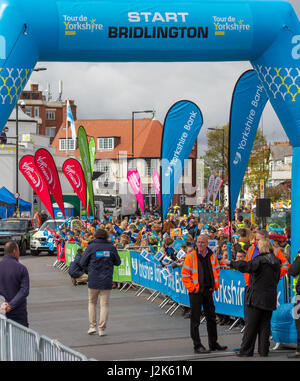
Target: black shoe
241 354
201 350
295 355
218 347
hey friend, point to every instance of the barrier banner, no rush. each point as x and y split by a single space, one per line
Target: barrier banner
61 251
73 171
228 299
83 146
134 180
47 168
248 102
181 129
31 173
122 273
70 252
156 183
150 274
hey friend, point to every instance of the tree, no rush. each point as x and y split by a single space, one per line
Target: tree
216 158
258 165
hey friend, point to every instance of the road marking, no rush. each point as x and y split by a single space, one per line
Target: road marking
195 356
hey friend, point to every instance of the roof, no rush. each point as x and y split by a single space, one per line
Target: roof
22 117
147 136
280 151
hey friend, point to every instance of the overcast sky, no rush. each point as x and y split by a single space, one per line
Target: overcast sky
114 90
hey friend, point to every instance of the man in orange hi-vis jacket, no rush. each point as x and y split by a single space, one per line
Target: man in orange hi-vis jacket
200 275
253 252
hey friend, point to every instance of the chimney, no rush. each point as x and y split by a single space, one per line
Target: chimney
34 87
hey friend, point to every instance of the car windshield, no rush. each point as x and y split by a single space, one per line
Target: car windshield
13 225
51 225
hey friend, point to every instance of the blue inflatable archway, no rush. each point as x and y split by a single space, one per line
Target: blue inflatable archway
264 32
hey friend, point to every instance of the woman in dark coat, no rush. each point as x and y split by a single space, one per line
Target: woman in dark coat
261 298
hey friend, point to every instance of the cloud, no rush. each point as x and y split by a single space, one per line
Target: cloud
114 90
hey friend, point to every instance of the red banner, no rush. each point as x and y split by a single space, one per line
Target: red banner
31 173
73 171
46 165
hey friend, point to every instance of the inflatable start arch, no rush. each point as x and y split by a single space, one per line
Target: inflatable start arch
264 32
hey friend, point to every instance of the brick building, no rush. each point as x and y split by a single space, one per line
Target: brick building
50 115
114 154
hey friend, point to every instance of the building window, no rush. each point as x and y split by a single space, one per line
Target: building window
28 111
36 112
106 144
288 159
132 164
148 167
187 164
50 115
103 166
67 144
50 131
26 95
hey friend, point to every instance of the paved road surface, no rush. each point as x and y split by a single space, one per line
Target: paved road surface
137 329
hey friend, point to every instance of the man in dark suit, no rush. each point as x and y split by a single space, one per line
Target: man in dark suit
14 284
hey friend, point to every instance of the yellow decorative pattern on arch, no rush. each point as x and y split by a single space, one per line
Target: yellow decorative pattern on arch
12 82
281 82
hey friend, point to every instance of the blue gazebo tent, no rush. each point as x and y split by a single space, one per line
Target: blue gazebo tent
8 202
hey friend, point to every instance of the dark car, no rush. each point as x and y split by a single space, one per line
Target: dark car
16 229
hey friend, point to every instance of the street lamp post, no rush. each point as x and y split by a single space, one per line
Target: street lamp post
22 103
17 156
132 126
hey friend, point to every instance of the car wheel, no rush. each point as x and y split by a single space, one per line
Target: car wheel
34 252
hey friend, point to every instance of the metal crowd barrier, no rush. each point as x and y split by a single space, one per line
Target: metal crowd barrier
167 300
19 343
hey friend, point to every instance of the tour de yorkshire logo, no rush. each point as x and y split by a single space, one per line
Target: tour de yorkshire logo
74 24
224 25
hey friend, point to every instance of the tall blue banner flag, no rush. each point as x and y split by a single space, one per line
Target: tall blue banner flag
181 129
248 102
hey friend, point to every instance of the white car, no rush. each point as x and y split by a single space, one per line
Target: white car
38 239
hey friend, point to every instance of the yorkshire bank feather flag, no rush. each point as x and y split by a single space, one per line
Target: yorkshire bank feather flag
181 129
248 102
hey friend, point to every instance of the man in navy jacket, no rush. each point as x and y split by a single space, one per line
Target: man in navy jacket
14 284
100 257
